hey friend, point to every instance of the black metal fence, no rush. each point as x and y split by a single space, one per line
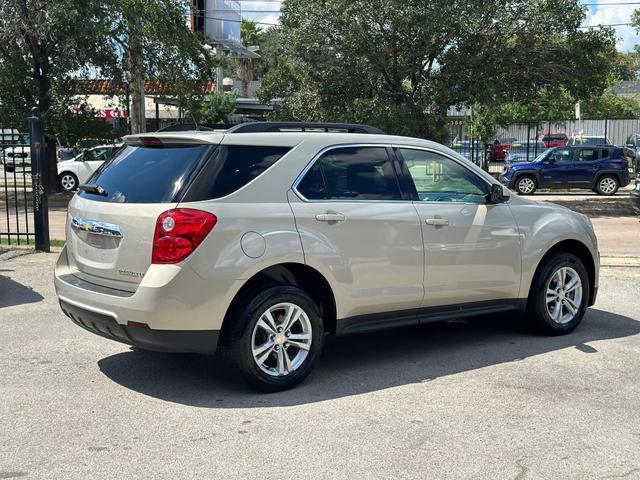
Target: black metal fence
16 209
525 141
23 203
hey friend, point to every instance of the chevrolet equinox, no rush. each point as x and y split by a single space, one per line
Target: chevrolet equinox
262 239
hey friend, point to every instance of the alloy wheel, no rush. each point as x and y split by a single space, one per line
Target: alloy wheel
564 295
281 339
68 182
607 185
526 185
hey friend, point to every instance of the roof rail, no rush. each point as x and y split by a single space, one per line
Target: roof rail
192 127
260 127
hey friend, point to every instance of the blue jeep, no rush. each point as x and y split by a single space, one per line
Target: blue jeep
601 168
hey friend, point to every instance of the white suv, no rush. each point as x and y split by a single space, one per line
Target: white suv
261 240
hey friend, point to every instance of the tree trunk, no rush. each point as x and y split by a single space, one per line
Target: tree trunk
136 82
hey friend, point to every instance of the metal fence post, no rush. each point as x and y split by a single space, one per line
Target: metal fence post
40 202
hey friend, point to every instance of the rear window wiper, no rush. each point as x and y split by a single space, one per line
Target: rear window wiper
93 189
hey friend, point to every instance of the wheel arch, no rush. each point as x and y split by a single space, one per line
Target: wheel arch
296 274
579 249
599 175
533 173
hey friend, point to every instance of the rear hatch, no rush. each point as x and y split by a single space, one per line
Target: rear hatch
112 219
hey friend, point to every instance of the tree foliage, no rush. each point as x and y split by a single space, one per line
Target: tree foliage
214 109
400 64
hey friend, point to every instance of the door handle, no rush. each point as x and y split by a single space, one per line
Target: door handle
330 217
438 222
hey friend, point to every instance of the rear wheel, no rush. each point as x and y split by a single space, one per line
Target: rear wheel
559 294
526 185
68 181
607 185
277 338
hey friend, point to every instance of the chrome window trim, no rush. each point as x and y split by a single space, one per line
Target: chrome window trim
315 158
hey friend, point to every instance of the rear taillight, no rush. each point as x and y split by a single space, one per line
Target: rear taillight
179 232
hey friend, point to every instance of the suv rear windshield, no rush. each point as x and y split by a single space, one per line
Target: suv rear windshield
174 173
147 174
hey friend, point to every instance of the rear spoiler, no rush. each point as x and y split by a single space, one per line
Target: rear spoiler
152 140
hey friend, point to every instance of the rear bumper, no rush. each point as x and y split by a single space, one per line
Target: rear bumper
184 313
198 341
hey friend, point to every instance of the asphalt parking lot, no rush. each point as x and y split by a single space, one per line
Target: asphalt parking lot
455 400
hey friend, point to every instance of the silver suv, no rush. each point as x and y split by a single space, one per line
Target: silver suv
261 240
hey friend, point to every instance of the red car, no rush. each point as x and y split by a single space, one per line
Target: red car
553 139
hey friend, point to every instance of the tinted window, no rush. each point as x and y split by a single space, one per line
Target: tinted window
588 155
147 175
312 185
96 154
604 153
231 168
563 155
440 179
357 173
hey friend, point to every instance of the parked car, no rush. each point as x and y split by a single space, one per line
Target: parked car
554 139
589 140
601 169
525 151
15 157
15 149
633 143
76 171
260 241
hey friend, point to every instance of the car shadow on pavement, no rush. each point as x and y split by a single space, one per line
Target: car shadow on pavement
14 293
358 364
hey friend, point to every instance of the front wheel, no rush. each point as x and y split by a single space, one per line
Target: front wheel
526 185
559 294
607 185
277 338
68 181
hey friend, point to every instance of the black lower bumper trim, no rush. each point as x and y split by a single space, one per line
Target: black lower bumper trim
197 341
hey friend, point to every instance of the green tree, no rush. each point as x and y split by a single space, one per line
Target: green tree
43 43
401 64
150 41
217 107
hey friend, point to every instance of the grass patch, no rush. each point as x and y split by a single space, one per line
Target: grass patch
32 243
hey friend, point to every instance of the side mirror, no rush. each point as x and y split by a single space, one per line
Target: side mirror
498 194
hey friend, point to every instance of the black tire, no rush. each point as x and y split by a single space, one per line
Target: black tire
607 185
526 185
69 179
238 338
537 314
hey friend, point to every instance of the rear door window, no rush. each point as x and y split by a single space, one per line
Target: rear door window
147 175
352 173
588 155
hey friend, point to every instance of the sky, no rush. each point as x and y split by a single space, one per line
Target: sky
601 12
